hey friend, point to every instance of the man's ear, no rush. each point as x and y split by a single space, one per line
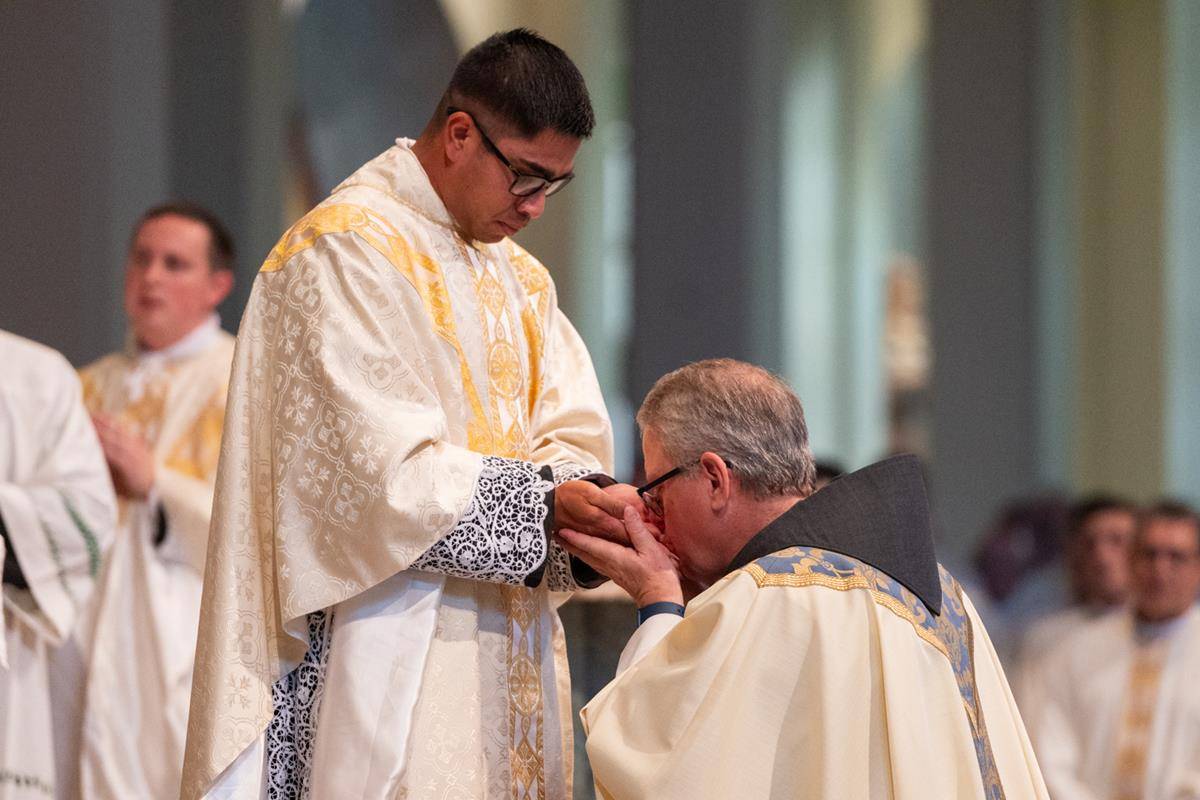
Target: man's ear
455 135
720 481
220 285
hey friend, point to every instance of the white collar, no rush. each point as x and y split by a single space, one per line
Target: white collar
398 172
148 364
1147 632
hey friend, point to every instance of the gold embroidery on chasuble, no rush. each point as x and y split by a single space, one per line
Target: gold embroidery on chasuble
1133 736
510 418
142 417
500 429
535 280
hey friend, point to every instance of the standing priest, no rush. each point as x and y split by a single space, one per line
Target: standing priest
829 656
157 406
408 416
56 518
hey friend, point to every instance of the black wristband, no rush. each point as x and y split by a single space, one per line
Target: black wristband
663 607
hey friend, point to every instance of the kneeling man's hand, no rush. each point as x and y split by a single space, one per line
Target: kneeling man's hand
645 568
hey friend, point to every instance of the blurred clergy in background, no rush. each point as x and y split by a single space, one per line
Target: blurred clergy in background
124 679
1099 533
1119 717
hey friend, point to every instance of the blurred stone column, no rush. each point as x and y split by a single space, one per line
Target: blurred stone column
707 93
982 277
84 135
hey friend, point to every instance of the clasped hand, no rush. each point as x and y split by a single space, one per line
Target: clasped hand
640 564
130 461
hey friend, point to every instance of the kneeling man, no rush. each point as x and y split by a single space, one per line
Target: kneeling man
827 654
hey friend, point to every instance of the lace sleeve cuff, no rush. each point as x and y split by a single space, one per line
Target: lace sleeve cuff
504 535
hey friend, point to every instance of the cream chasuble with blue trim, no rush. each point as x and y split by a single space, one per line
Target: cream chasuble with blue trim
810 673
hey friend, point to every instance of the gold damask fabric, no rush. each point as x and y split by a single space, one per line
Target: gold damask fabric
380 359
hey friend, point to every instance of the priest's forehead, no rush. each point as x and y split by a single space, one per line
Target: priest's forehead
221 251
1171 520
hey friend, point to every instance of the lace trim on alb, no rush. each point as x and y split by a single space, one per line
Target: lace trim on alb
501 537
293 730
568 472
559 575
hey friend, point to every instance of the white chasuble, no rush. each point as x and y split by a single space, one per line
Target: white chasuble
125 675
379 615
57 512
1120 714
809 674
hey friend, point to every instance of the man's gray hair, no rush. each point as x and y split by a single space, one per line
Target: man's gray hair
741 412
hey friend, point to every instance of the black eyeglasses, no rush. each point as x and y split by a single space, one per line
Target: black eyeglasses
651 499
522 185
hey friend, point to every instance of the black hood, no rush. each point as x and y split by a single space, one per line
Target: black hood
878 515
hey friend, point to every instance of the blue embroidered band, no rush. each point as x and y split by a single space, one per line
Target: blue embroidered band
646 612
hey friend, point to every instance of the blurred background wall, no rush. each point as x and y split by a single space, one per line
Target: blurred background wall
966 229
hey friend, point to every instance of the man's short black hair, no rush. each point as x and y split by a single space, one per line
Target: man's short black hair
1085 509
524 81
1172 509
220 248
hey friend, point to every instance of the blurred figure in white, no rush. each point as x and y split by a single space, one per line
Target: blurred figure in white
158 407
1121 716
1099 534
57 511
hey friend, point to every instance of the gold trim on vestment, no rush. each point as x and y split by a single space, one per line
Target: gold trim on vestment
526 705
764 578
428 282
195 454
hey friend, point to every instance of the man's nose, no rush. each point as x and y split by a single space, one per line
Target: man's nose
154 270
533 205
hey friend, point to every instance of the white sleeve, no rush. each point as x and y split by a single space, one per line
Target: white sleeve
60 516
648 634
